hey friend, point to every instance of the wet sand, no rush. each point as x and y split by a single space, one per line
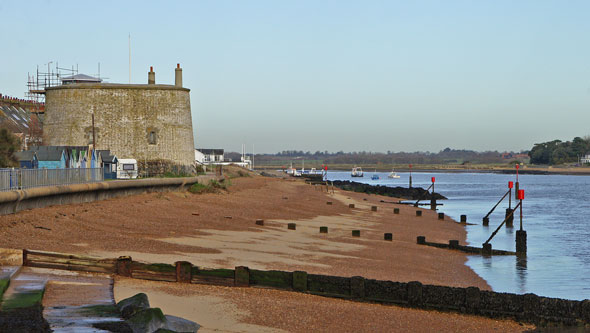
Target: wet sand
219 230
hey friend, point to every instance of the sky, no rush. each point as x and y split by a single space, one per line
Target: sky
330 75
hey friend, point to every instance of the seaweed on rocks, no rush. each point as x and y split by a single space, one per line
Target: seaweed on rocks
413 193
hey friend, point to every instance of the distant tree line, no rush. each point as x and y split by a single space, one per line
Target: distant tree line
445 156
558 152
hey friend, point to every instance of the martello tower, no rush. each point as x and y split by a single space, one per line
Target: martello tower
149 122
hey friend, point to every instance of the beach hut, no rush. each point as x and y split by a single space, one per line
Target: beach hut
27 159
109 164
51 159
82 159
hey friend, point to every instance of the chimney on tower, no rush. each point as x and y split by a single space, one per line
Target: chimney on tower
178 76
151 76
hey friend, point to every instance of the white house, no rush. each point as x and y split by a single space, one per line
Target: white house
585 159
208 156
215 157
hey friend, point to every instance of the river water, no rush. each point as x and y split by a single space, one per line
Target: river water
556 217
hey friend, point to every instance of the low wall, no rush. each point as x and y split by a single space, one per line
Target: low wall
15 201
529 308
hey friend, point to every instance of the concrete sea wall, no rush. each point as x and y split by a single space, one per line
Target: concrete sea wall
15 201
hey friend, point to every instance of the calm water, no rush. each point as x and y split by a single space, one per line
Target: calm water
556 217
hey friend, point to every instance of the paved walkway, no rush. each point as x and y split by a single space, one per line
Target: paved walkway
72 301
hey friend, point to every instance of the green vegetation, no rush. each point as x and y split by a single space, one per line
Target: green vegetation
212 187
9 144
170 174
23 300
3 286
558 152
198 188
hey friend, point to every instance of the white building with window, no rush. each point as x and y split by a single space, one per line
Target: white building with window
585 159
209 156
205 156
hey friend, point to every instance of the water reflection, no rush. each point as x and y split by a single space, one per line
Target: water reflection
486 261
521 273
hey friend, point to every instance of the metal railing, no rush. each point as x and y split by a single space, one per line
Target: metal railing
19 179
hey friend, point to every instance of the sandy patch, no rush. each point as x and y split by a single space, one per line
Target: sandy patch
214 314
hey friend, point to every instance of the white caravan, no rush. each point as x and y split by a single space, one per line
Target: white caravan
127 169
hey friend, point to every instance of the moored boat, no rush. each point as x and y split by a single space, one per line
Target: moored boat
392 174
356 172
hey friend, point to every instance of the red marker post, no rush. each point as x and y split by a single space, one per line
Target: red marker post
521 234
432 198
510 186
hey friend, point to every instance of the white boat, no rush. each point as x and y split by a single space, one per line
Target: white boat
392 174
356 172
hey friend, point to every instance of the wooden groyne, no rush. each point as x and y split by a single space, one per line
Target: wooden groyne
528 308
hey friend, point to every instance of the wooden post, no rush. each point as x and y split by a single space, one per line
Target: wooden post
486 249
242 276
25 257
509 218
357 287
124 266
300 281
184 271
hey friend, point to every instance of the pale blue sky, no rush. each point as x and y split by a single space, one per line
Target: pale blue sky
331 75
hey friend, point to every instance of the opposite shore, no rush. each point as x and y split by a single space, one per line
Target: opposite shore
470 168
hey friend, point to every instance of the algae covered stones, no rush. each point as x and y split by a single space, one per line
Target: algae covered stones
141 318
